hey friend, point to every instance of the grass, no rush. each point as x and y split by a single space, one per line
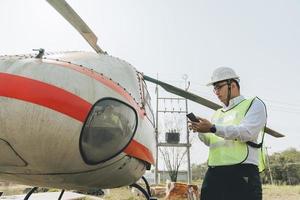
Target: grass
123 193
270 192
286 192
12 189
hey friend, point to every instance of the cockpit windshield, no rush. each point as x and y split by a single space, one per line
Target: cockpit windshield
109 128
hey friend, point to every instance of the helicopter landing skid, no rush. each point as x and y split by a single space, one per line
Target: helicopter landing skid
147 193
35 188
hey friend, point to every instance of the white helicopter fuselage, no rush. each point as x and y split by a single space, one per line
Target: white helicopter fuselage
74 120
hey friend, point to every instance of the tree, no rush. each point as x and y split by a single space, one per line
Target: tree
198 171
173 158
285 167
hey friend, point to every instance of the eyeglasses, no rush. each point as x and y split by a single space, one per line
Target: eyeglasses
218 87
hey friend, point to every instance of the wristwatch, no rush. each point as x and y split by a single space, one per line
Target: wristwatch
213 128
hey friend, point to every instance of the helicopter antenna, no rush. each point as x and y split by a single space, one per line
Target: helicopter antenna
75 20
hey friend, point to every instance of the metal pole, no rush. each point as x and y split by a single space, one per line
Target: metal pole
188 136
268 163
156 136
30 193
61 194
188 146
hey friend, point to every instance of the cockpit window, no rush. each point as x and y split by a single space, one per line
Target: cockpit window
108 130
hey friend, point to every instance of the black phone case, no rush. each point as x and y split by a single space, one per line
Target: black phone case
192 117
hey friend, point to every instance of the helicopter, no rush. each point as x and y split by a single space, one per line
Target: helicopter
78 120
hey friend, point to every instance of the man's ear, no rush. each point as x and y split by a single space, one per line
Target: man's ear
233 84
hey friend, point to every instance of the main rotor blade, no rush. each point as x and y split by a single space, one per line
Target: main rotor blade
75 20
183 93
273 133
198 99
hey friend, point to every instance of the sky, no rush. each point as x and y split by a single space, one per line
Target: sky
259 39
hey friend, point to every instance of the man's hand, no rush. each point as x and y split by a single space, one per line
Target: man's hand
203 126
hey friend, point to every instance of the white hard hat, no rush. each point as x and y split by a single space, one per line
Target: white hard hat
221 74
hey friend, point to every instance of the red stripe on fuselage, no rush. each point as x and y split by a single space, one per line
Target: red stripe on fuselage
138 150
60 100
44 94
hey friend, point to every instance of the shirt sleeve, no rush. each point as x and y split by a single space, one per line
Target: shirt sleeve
249 128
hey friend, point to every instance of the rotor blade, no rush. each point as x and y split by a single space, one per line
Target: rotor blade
183 93
73 18
273 133
198 99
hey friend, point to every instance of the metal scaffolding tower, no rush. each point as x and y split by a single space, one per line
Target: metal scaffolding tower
165 144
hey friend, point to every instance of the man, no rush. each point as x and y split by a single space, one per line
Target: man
234 136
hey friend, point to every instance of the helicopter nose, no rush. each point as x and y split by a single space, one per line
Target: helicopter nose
108 129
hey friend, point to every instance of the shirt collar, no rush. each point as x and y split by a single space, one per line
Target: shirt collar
233 102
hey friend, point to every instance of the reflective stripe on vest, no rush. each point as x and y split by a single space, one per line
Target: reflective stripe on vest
228 152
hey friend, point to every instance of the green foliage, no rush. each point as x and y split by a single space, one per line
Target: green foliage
284 167
198 171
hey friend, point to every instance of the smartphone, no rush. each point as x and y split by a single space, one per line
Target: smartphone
192 117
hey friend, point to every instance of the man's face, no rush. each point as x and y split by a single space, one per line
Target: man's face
221 89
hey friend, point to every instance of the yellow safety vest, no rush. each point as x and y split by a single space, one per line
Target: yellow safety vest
224 152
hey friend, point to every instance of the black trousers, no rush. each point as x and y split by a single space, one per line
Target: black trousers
235 182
